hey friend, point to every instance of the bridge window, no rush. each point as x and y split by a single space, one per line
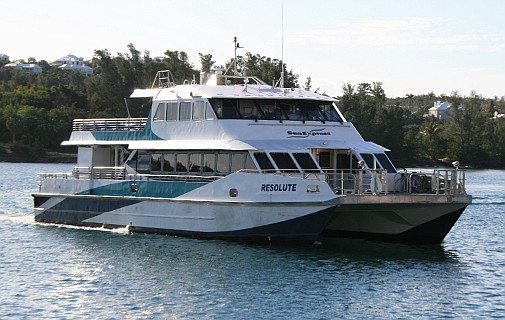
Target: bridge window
385 162
369 159
305 162
283 160
263 161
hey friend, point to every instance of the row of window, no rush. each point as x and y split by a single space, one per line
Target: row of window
183 111
205 162
270 109
258 109
225 162
286 161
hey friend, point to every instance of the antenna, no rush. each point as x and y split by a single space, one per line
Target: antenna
237 46
282 47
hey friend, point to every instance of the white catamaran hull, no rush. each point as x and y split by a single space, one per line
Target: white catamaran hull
253 213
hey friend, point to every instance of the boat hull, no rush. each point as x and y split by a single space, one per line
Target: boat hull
279 222
397 218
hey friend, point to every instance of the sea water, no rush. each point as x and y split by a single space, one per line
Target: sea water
59 272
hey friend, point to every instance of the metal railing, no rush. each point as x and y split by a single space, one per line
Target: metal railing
119 173
356 181
437 181
117 124
344 182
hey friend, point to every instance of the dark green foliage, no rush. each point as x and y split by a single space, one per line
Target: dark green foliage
36 110
470 135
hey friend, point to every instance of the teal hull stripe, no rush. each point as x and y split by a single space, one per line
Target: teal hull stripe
153 189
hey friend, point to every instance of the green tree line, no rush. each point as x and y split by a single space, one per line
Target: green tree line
36 110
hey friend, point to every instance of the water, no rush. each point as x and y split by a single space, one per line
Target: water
57 272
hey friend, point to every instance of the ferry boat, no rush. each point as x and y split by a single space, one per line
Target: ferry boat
232 157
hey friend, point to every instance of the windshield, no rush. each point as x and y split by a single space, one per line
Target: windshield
269 109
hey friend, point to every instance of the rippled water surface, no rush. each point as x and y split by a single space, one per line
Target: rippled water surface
57 272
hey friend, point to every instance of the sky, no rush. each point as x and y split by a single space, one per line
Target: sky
410 46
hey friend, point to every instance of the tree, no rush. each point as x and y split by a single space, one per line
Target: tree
206 61
308 84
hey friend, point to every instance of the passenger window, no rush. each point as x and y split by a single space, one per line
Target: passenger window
172 111
198 110
182 162
195 162
168 162
185 111
223 163
209 113
156 162
209 162
160 112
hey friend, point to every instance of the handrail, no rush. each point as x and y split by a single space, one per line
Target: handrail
113 124
344 182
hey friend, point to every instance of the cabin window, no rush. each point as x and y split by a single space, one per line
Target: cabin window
198 110
314 113
209 162
271 110
248 109
156 162
195 162
209 113
385 162
249 164
283 160
263 161
143 164
168 162
305 162
325 160
369 160
330 112
225 108
185 111
160 112
172 111
241 160
182 162
223 163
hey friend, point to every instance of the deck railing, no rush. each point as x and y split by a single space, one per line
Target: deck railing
117 124
344 182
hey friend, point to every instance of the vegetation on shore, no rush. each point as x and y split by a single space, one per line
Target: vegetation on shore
36 110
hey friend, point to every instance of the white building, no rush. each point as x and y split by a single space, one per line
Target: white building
27 67
440 110
4 58
71 62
